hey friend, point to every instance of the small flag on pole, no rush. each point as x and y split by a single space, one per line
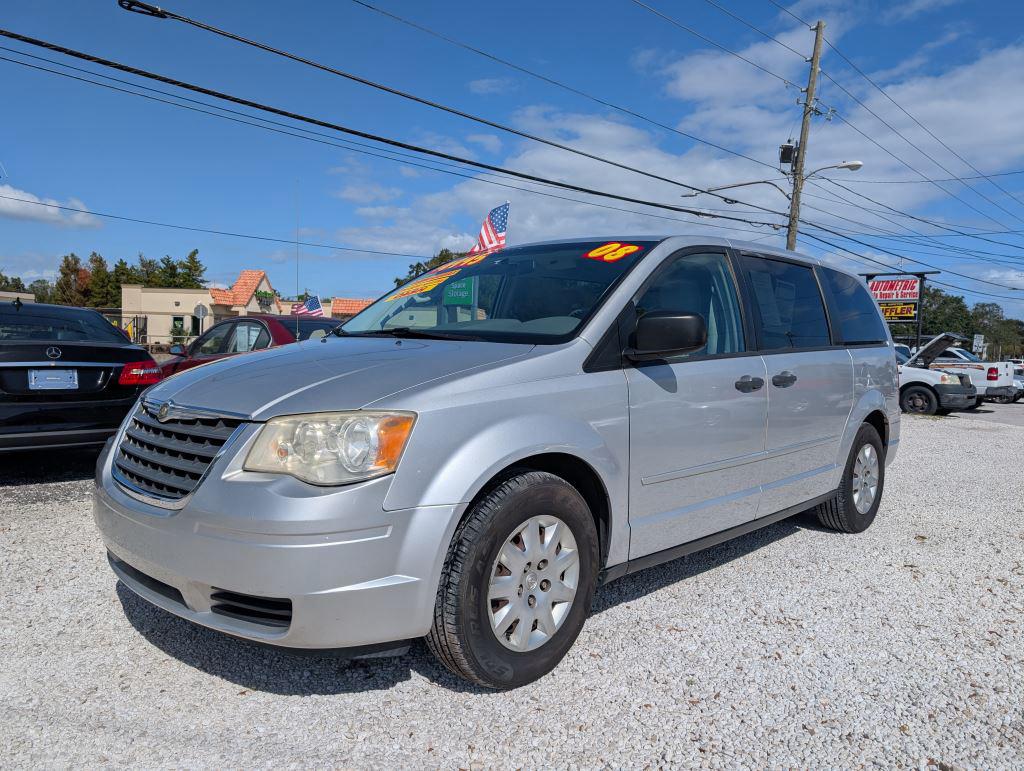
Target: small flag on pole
311 307
492 233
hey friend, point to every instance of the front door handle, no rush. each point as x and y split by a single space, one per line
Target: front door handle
746 384
784 379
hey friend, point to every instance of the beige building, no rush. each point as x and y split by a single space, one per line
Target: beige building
154 315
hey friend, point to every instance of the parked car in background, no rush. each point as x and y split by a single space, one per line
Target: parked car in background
926 391
993 379
67 376
1018 383
465 460
244 334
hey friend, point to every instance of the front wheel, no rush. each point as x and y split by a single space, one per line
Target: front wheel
856 502
919 400
517 583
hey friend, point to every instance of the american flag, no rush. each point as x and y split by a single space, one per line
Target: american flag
492 233
311 307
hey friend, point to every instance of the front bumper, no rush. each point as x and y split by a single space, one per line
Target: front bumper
956 397
354 574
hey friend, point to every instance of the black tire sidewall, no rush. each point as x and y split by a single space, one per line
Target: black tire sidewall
857 522
500 666
933 402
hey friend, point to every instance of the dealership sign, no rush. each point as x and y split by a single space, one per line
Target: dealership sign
897 297
893 289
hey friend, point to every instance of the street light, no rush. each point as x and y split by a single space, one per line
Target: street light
796 180
845 165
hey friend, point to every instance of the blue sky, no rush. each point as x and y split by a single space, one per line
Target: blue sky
954 65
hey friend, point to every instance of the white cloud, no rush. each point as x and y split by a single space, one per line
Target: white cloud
484 86
914 8
409 172
22 205
368 192
489 142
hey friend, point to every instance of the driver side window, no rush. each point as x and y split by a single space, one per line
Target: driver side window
699 283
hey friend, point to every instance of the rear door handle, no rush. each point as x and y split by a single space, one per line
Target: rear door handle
746 384
784 379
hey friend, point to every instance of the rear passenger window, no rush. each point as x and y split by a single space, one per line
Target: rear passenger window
790 311
855 310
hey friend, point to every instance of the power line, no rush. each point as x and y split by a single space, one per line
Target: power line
427 151
211 231
936 179
786 81
162 13
557 83
915 120
759 31
375 137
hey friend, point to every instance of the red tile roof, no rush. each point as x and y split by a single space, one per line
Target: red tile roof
347 306
241 293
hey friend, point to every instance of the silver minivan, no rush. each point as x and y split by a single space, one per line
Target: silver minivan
472 455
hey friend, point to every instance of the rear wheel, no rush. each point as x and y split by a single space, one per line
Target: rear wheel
518 582
1004 399
919 400
856 502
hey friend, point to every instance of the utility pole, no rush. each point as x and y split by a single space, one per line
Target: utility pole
805 130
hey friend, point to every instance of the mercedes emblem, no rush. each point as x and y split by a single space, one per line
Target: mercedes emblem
163 412
53 352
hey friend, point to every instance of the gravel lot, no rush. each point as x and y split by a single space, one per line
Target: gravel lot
791 647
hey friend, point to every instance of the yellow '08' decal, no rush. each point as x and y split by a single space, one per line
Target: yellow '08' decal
611 251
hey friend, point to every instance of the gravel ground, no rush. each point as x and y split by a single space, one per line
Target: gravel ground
790 647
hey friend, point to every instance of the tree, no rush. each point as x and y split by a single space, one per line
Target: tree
419 268
192 271
72 279
167 275
942 313
102 292
124 273
42 289
11 284
149 271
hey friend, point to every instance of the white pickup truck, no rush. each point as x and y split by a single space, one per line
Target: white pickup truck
993 379
927 391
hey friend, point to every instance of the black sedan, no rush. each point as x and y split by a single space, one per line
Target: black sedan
67 376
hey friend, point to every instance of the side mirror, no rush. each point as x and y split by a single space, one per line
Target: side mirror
177 350
660 334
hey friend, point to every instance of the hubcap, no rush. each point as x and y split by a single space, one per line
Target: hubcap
865 478
533 583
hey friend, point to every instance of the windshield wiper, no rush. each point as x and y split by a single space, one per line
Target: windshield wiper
409 332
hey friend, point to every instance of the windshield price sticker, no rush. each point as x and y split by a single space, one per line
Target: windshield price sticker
462 262
422 284
611 251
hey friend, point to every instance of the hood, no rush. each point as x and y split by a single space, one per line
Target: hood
932 349
335 373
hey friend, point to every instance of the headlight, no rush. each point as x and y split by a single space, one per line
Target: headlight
332 448
945 379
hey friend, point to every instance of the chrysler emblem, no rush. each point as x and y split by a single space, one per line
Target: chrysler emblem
163 412
53 352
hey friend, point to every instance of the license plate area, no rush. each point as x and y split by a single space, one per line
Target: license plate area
53 379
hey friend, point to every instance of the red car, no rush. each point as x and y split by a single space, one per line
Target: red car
243 334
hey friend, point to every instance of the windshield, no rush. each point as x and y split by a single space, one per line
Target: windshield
901 357
535 294
47 324
307 327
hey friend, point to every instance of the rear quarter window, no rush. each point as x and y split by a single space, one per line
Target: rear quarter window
855 313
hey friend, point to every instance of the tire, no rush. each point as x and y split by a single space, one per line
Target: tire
1004 399
919 400
463 636
843 511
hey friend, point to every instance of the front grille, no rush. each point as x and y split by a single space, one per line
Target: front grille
168 459
267 611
